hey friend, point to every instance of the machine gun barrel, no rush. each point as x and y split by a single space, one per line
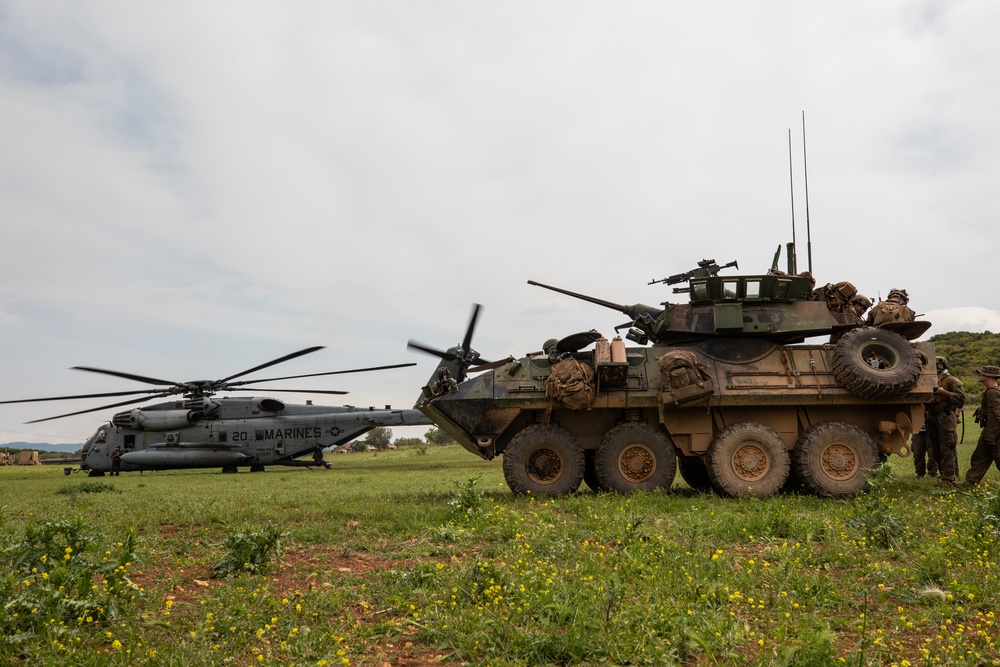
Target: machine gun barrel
636 311
706 268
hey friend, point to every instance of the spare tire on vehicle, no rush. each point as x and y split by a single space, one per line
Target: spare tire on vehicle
875 363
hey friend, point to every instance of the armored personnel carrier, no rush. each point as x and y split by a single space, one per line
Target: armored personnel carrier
723 387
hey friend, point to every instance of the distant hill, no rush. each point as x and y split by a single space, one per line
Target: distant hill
42 446
965 353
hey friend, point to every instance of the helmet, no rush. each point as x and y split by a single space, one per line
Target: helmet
549 344
941 362
862 300
900 294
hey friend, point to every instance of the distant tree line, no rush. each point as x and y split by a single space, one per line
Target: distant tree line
380 438
965 352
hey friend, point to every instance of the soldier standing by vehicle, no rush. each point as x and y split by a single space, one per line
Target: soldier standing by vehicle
893 309
923 462
942 437
987 449
116 462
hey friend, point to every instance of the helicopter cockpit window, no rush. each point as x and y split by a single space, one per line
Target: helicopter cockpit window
753 289
699 290
102 436
730 289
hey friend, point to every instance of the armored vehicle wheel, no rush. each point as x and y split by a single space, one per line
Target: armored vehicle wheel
545 460
875 363
635 457
834 458
589 472
748 459
694 472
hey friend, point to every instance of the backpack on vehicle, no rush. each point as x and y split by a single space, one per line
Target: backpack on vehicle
683 378
889 311
571 384
837 297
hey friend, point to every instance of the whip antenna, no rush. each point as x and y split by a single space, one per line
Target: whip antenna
791 190
805 171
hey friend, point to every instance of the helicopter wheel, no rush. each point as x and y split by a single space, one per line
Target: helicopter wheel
256 468
543 460
748 459
95 473
230 470
635 457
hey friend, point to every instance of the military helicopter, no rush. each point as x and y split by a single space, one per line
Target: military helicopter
200 430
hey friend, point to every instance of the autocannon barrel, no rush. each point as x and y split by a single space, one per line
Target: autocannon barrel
635 311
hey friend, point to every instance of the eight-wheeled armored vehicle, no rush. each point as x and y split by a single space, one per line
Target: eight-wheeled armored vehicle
723 387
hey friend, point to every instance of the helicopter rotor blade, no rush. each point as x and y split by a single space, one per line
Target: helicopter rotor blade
447 356
127 376
273 362
102 407
291 391
467 341
312 375
102 395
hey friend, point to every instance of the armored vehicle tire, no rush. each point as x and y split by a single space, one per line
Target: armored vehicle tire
834 458
589 472
748 459
694 472
544 460
635 457
853 358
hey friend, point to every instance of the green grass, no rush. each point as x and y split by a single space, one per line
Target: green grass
417 559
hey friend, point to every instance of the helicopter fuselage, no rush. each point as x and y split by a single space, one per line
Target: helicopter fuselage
231 432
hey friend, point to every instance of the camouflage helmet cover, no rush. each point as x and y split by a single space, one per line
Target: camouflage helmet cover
900 294
862 300
941 362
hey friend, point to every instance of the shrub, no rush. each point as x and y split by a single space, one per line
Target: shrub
250 551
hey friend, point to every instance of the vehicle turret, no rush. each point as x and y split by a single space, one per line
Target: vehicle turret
774 306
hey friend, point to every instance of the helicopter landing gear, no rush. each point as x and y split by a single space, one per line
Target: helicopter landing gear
95 473
256 468
230 470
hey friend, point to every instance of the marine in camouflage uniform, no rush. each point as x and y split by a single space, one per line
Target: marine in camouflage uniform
987 450
923 462
893 309
942 437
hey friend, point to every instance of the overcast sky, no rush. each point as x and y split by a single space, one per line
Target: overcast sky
190 189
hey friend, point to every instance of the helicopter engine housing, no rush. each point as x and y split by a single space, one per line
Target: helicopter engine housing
165 420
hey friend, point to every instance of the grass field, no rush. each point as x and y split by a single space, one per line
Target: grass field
418 557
